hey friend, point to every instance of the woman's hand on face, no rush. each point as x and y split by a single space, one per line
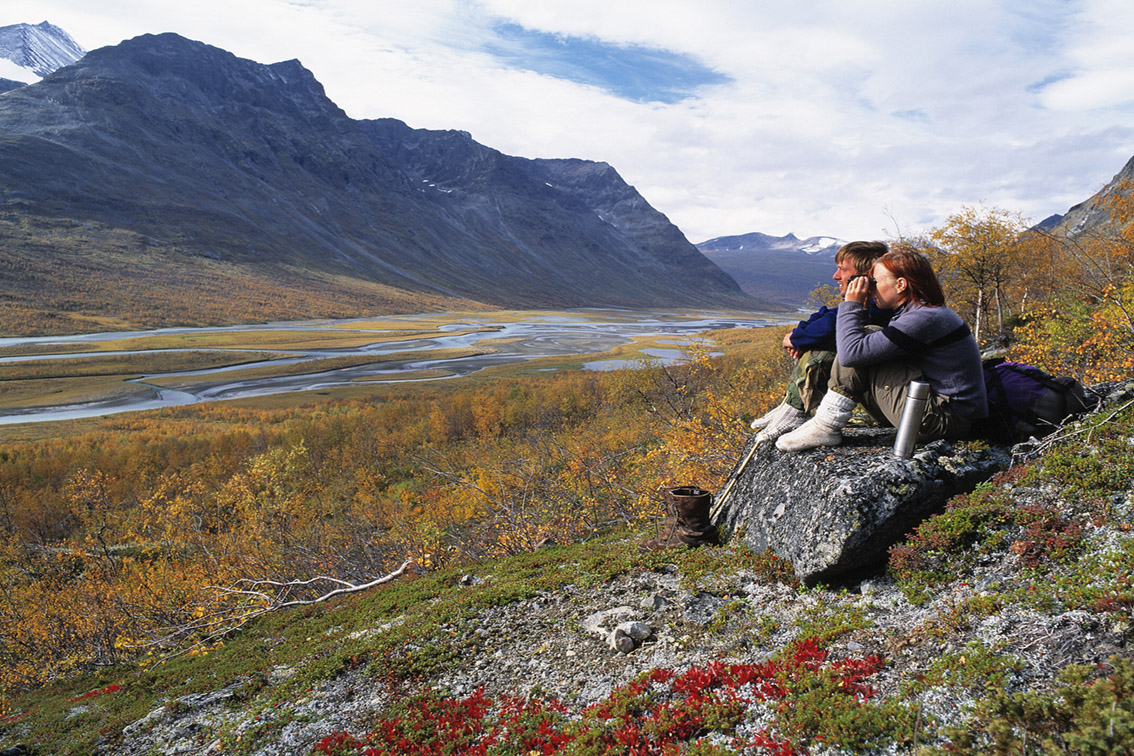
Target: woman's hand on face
858 290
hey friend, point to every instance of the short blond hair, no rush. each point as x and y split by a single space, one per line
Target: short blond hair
861 254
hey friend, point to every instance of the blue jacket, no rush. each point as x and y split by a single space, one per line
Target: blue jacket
818 331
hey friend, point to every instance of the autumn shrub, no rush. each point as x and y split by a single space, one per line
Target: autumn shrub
1101 465
1088 340
1086 327
975 669
981 257
699 409
976 526
138 518
945 546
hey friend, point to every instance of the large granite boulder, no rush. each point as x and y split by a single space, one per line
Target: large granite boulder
833 511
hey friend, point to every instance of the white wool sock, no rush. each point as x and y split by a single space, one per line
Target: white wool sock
825 429
786 419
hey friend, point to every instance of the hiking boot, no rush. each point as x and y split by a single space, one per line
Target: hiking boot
686 522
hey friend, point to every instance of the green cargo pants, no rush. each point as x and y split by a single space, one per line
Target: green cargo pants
808 380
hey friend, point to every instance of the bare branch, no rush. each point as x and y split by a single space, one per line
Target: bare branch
215 625
347 587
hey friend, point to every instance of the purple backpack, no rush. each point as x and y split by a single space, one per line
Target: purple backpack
1025 402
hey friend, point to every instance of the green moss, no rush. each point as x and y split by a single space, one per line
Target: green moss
828 620
1099 466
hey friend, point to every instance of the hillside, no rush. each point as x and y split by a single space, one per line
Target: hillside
164 160
1022 587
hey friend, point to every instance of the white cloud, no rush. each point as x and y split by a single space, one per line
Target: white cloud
839 118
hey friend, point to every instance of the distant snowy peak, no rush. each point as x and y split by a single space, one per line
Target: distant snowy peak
757 242
780 269
820 245
30 52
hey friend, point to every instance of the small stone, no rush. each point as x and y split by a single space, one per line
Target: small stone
639 631
622 643
654 602
280 674
594 625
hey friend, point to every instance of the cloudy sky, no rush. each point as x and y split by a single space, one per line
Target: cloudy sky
863 119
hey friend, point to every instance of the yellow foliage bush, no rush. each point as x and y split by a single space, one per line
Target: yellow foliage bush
112 538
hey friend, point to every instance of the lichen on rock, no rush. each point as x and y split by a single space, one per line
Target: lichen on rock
832 511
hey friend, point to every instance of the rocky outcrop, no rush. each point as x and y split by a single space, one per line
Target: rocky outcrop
833 511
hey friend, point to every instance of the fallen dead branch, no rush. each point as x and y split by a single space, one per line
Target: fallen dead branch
1068 432
273 605
210 627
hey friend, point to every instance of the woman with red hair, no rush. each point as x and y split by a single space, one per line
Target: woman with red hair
925 341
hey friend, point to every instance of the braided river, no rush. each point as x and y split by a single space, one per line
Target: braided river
500 338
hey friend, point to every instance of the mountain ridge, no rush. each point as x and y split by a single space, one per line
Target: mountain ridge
211 156
35 51
1092 215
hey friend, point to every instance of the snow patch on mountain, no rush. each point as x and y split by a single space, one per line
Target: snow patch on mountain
30 52
820 244
758 242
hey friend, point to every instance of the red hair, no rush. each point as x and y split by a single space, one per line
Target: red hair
923 285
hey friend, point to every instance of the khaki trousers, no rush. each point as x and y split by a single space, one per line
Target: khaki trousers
881 390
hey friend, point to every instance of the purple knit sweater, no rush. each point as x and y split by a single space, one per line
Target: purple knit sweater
934 339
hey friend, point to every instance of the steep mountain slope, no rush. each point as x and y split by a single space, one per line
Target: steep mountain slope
28 53
781 269
567 219
209 155
1091 216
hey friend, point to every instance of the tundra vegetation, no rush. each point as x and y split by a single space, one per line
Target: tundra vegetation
125 542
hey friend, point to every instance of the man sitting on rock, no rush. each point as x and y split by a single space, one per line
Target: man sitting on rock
812 345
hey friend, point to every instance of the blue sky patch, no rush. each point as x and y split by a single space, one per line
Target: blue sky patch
1047 81
640 74
915 114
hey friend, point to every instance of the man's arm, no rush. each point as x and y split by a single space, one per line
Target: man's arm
817 332
791 347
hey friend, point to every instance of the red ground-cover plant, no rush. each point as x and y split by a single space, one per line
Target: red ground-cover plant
14 717
97 692
715 709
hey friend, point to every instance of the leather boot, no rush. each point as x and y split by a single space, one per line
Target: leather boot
686 522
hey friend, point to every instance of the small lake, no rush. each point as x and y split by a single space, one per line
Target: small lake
510 341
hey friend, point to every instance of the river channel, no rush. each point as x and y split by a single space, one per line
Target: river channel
507 340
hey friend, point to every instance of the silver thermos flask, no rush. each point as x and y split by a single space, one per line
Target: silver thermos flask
917 395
